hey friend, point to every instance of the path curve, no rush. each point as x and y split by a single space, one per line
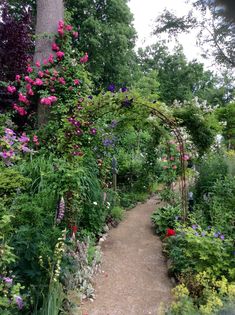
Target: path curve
134 277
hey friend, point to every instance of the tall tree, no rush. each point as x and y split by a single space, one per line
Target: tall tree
107 34
216 32
179 79
49 13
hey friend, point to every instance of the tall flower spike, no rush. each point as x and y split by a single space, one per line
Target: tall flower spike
61 210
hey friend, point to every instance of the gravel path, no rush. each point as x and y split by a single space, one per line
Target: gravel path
134 278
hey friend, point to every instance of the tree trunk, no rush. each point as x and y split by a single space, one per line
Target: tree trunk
49 12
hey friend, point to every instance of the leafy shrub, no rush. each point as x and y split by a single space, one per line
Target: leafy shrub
117 213
196 250
165 217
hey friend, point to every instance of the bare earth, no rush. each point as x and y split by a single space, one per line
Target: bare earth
134 277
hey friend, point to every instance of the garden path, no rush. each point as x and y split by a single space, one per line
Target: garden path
134 277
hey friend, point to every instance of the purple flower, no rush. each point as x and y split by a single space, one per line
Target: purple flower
222 237
203 233
79 132
111 88
4 155
61 210
124 89
19 302
113 124
23 139
93 131
25 149
8 280
194 226
90 97
9 132
107 142
216 235
196 234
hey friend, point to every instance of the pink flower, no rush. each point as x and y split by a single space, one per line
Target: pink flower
70 88
28 79
51 58
174 167
185 157
52 90
53 99
55 47
60 31
29 69
38 64
35 140
45 62
68 28
23 99
61 23
45 101
11 89
21 111
84 59
41 74
172 158
60 54
30 92
55 73
76 82
75 34
18 77
47 71
38 82
61 81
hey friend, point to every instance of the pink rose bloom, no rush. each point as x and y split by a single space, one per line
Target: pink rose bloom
76 82
60 54
45 101
68 28
51 58
55 73
52 98
172 158
47 72
17 77
185 157
60 31
61 81
45 62
174 167
55 47
75 34
61 24
28 79
23 99
21 111
38 82
30 92
84 59
38 64
11 89
41 74
29 69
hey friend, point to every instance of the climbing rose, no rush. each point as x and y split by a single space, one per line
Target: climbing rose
84 59
11 89
61 81
38 64
51 58
69 28
29 69
23 98
76 82
21 111
17 77
75 34
55 47
40 74
38 82
28 79
60 55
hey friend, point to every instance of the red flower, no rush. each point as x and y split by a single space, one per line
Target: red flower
74 228
170 232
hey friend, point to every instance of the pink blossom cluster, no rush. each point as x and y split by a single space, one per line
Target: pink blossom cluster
11 89
48 100
85 58
20 110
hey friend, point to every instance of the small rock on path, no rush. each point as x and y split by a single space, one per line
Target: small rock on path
134 277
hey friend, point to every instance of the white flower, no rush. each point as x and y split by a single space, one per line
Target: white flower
95 203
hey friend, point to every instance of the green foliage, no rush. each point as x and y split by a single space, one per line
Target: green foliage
226 116
117 213
212 167
165 217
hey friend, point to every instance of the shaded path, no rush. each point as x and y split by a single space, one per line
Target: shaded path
134 275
